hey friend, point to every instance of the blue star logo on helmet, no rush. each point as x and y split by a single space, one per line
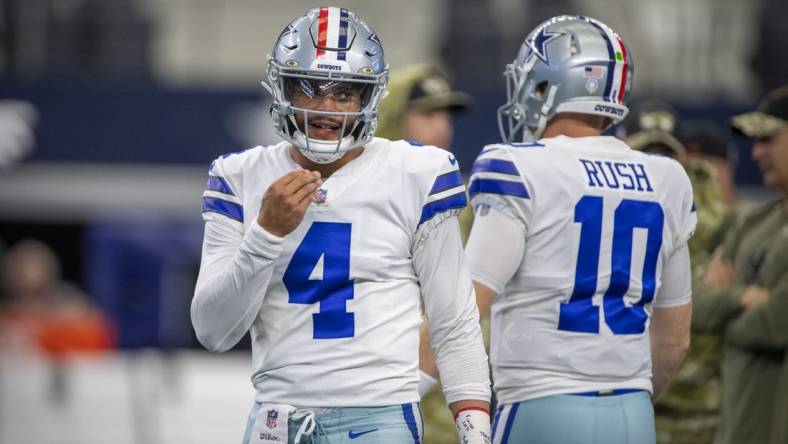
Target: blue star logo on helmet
374 38
288 30
539 43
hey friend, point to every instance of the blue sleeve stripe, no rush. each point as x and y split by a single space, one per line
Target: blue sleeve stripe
693 207
495 186
447 181
229 209
495 166
429 211
216 183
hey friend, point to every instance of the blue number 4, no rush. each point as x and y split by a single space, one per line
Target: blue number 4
579 314
331 242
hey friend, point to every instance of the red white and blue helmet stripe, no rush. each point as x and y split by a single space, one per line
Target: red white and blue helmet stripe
619 66
332 32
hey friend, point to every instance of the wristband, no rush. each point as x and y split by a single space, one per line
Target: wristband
473 425
425 383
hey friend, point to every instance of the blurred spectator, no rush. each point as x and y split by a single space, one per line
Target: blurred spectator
43 312
745 293
419 108
689 411
706 140
17 122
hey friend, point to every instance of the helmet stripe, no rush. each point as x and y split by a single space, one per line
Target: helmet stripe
332 34
322 31
343 20
624 71
611 66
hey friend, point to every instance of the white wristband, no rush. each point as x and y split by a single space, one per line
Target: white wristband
473 425
425 383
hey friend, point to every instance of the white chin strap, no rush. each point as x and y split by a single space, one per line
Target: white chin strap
545 109
322 151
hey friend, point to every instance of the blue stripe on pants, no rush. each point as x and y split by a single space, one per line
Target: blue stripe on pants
495 420
509 422
410 420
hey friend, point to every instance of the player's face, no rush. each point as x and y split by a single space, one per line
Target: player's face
771 155
329 96
431 127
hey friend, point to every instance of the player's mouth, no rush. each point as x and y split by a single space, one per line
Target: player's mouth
324 129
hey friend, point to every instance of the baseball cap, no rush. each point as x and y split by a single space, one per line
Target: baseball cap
647 115
656 141
650 126
770 117
431 91
703 136
421 87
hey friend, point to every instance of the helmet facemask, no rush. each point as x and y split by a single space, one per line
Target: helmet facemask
309 89
529 100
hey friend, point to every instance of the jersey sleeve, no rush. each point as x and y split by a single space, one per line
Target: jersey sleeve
450 306
222 195
446 196
495 248
236 265
676 288
496 181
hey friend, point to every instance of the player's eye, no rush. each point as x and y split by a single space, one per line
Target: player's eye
343 95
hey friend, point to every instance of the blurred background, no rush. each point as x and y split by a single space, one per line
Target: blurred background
111 111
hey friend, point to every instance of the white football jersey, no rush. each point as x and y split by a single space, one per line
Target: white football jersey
340 315
600 222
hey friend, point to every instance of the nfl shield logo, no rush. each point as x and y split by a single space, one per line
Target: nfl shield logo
320 195
270 421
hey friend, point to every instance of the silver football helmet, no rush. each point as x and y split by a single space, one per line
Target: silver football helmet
567 64
327 51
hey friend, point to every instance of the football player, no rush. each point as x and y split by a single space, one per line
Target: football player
579 248
325 246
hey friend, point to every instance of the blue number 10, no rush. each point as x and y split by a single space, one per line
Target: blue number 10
331 241
579 314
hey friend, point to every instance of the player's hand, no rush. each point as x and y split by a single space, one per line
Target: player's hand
719 272
286 201
754 296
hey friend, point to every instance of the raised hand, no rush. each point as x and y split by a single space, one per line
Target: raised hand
286 201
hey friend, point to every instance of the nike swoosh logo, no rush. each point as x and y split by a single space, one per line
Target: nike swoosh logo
452 159
352 435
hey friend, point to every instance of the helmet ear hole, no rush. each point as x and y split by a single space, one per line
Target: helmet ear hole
540 90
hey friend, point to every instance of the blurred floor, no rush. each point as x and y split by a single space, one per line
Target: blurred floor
144 397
